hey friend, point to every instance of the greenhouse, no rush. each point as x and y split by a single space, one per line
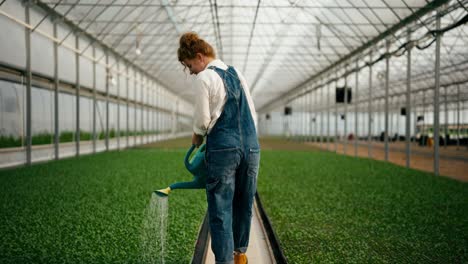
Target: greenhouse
359 108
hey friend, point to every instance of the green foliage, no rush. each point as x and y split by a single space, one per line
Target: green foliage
329 208
324 207
91 209
66 136
43 138
9 141
85 136
101 135
312 139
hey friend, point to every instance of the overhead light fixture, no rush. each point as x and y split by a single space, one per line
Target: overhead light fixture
138 50
139 36
113 81
380 75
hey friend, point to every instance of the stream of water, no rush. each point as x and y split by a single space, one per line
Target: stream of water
154 233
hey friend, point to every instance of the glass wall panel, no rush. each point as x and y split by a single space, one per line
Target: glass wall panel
12 123
86 124
131 125
67 124
123 125
131 83
100 71
145 125
138 122
112 125
100 125
15 32
42 124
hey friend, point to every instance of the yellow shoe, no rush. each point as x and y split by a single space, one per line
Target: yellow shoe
240 258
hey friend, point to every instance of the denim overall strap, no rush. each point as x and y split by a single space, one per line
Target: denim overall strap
235 127
232 156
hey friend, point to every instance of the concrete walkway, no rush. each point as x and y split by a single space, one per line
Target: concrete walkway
453 163
259 251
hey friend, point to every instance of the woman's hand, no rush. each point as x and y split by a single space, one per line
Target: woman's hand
197 140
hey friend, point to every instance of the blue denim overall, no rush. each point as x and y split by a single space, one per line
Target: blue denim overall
233 156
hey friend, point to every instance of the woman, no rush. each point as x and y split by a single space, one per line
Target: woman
225 114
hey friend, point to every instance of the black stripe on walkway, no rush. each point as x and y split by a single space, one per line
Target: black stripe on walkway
201 246
272 238
202 240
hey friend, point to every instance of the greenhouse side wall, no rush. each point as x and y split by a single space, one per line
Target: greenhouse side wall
83 97
402 100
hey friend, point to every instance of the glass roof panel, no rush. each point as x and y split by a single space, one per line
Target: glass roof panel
278 44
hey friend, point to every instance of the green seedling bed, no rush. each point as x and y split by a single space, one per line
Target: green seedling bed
329 208
91 209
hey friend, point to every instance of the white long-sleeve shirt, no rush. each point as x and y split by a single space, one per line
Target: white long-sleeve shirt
210 98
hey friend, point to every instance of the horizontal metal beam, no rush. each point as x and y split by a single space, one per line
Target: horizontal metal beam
239 6
414 102
243 22
45 82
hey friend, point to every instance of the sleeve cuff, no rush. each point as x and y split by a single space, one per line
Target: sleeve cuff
199 131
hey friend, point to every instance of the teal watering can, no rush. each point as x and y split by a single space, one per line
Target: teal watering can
196 166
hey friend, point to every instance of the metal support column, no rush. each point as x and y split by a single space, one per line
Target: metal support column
458 116
108 76
328 116
446 117
369 109
310 122
94 99
142 127
177 116
56 96
408 104
322 89
423 126
315 116
336 117
436 97
305 126
77 94
356 116
395 124
148 112
153 112
311 118
142 87
127 80
380 124
302 101
135 134
387 69
345 119
118 104
28 87
158 114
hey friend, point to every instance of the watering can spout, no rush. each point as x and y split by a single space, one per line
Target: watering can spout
163 192
196 166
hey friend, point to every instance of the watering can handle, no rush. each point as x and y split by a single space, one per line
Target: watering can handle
187 156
